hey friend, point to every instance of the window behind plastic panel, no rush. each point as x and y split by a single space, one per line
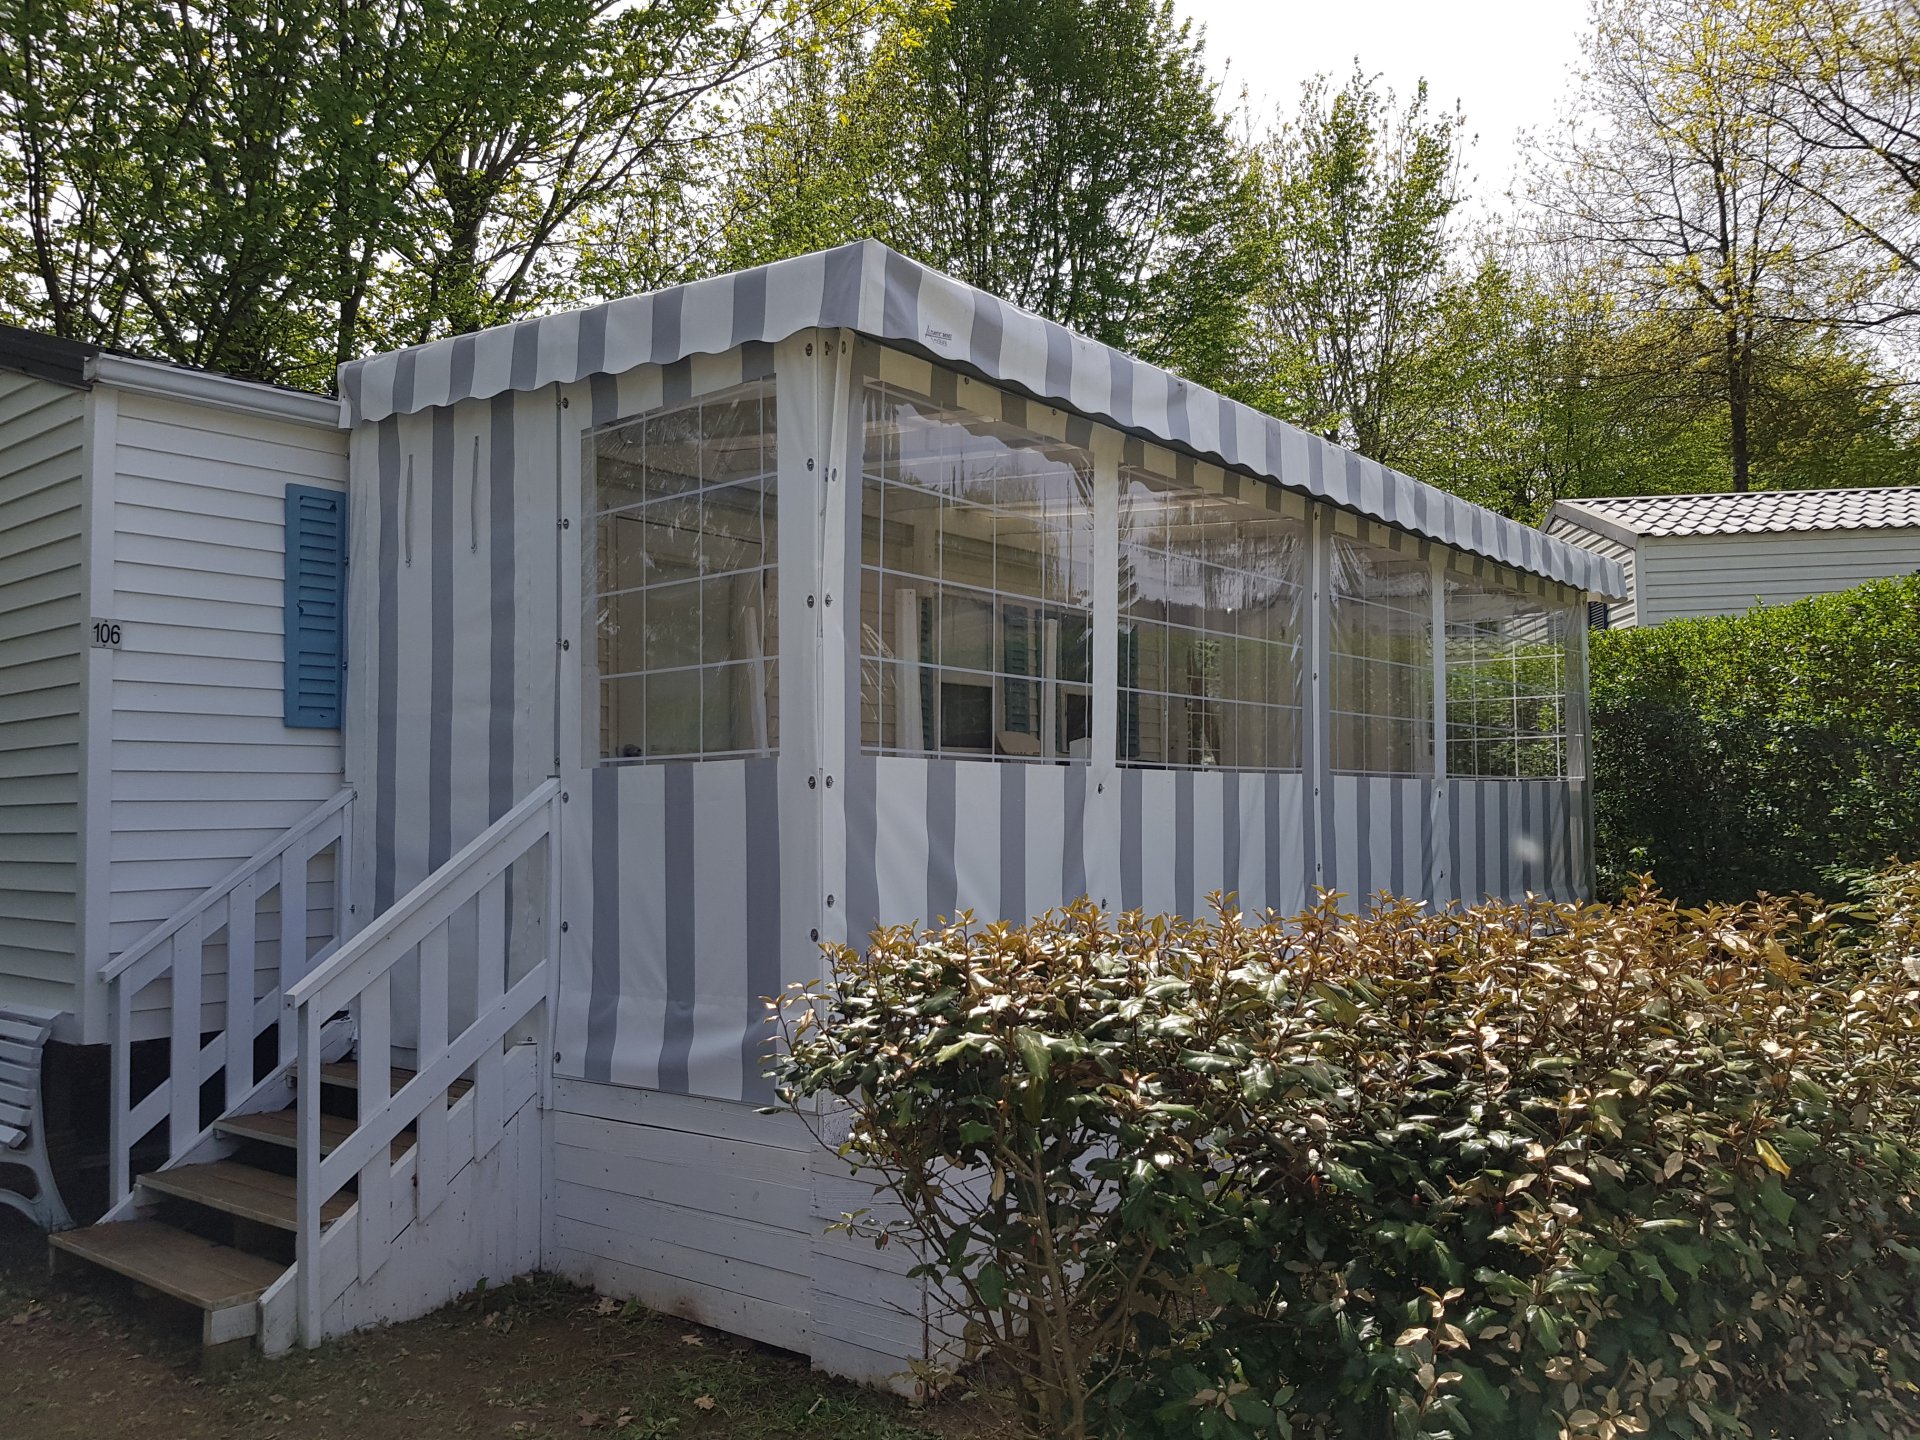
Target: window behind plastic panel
1380 656
976 595
1513 648
680 586
1211 617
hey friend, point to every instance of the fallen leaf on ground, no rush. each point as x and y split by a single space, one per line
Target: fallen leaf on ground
705 1402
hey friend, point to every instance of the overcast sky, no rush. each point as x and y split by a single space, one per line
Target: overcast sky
1507 62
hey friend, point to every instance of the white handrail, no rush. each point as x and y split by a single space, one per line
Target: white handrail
171 926
362 976
407 914
176 951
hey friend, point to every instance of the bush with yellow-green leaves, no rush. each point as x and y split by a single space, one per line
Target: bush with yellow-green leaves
1529 1170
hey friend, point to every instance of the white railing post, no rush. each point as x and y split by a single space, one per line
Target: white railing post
549 1019
293 913
309 1297
430 1174
183 1074
119 1142
240 926
375 1054
343 910
490 983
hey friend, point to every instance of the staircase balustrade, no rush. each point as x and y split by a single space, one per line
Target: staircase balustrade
178 952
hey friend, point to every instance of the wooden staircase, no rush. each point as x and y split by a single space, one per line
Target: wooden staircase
216 1234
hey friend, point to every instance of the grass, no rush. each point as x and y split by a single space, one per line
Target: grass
534 1360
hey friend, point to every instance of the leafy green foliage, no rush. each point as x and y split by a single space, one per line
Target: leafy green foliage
268 187
1524 1171
1777 750
1350 235
1065 155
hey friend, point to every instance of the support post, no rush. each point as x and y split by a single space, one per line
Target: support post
309 1295
1439 860
1317 745
838 511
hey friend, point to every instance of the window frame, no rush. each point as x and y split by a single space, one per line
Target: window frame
602 565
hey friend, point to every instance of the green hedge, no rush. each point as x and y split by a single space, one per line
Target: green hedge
1533 1172
1773 751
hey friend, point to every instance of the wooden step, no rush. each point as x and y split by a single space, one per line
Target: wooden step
282 1127
209 1276
242 1190
346 1074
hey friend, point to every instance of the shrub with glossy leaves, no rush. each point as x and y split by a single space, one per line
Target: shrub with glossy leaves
1513 1171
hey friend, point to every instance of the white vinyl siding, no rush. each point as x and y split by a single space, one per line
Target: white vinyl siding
1728 574
1620 613
42 616
204 771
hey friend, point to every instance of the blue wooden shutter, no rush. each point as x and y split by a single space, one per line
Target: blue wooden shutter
316 613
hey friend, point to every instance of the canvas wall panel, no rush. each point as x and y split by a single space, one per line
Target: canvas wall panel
1506 838
930 837
676 928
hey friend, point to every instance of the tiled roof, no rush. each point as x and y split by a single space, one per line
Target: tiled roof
1757 512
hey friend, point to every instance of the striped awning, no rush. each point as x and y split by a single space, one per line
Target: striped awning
869 289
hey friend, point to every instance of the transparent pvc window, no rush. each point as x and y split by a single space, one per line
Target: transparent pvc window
976 606
1380 658
1512 670
680 585
1210 628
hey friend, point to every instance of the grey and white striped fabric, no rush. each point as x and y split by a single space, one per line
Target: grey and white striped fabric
869 289
692 891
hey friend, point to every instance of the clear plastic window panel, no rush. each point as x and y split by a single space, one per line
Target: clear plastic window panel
976 584
1380 659
1210 629
680 589
1512 663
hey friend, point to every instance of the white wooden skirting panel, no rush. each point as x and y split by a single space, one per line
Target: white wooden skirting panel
43 614
204 771
1725 574
710 1211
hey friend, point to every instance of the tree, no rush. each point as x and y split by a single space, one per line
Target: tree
165 195
1844 77
1352 248
271 186
814 161
1536 382
1066 155
1681 175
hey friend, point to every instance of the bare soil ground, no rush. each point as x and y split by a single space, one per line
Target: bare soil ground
82 1359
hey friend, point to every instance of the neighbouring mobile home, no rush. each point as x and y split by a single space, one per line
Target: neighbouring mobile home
689 632
1688 556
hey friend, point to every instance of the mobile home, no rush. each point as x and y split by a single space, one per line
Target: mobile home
1685 556
691 631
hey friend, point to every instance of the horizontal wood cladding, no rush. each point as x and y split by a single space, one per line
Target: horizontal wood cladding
716 1213
204 771
42 616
